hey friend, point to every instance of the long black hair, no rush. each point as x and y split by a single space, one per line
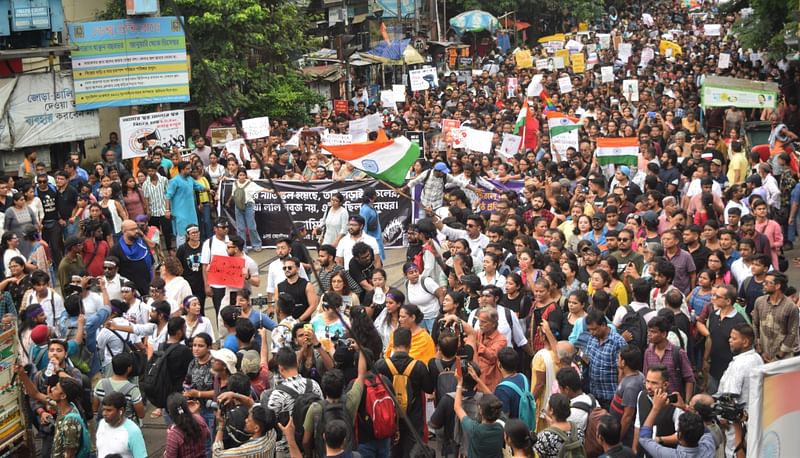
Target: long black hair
363 329
178 410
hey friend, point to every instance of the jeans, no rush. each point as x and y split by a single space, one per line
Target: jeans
208 416
428 323
246 221
52 234
204 217
378 448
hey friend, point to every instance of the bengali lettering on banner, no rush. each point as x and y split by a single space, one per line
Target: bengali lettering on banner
226 270
134 61
490 198
138 133
308 201
41 111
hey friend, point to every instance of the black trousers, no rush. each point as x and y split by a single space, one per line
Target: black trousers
166 229
52 234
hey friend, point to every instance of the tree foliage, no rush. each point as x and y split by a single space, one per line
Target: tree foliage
247 48
765 27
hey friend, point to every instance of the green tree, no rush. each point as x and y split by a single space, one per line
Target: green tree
766 27
247 47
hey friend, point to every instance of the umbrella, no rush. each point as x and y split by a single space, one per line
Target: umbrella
474 21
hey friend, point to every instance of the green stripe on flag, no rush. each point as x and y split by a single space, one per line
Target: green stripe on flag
396 174
563 129
618 160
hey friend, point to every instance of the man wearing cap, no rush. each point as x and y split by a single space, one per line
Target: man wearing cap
355 234
189 255
180 201
114 280
598 233
72 263
433 183
217 245
138 312
622 179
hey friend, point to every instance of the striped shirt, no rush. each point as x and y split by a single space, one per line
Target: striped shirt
280 401
156 195
263 447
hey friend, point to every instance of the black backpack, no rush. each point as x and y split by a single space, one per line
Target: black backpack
155 381
301 404
332 411
446 381
634 322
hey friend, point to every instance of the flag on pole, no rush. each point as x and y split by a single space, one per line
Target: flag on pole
563 131
550 105
618 151
528 125
383 159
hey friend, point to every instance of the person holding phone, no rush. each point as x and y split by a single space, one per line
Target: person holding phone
662 420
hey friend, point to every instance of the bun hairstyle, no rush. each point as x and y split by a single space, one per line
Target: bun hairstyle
414 311
519 436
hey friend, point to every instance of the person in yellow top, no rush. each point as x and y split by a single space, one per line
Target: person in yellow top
203 203
543 374
602 280
422 347
738 167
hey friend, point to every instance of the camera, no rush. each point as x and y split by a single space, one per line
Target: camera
727 407
259 301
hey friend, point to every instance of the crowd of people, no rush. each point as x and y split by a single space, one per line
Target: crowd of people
603 310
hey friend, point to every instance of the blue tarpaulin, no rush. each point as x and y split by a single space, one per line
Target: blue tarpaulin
390 51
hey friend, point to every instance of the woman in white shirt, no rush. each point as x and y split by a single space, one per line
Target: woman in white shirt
214 170
176 287
490 276
334 222
195 322
424 293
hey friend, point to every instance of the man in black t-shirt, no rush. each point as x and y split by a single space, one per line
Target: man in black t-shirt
189 256
361 267
51 232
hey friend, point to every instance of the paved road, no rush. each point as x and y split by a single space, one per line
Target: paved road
154 431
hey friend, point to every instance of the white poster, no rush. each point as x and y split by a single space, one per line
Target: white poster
423 79
559 62
630 89
374 122
724 60
399 93
41 111
712 30
359 128
625 51
235 146
607 74
337 139
256 128
574 46
139 132
535 87
388 100
564 84
459 137
604 40
648 20
648 54
510 145
478 140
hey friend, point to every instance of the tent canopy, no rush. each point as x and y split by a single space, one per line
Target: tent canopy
474 21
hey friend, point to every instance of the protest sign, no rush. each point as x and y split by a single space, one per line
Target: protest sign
625 51
545 64
607 74
648 54
563 54
510 145
374 122
592 59
399 93
630 89
235 146
227 271
416 137
138 133
340 106
724 60
712 30
459 137
337 139
447 127
564 84
512 84
388 100
578 63
523 59
605 40
358 128
423 79
535 87
573 46
222 135
479 140
256 127
308 201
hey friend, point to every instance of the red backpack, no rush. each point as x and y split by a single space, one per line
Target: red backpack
418 258
379 410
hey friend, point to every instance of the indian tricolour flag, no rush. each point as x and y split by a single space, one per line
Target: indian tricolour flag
618 151
563 132
383 159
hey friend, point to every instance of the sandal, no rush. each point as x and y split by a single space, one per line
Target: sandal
155 413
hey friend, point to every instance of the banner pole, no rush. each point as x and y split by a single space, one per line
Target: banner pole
393 188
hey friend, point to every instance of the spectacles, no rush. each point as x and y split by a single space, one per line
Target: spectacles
624 240
288 267
769 282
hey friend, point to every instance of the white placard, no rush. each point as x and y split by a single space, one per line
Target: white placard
535 88
647 19
559 61
358 128
337 139
256 127
510 145
574 46
604 40
139 132
388 100
374 122
423 79
564 84
712 30
630 89
648 54
479 140
234 146
625 51
399 93
607 74
724 60
459 136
